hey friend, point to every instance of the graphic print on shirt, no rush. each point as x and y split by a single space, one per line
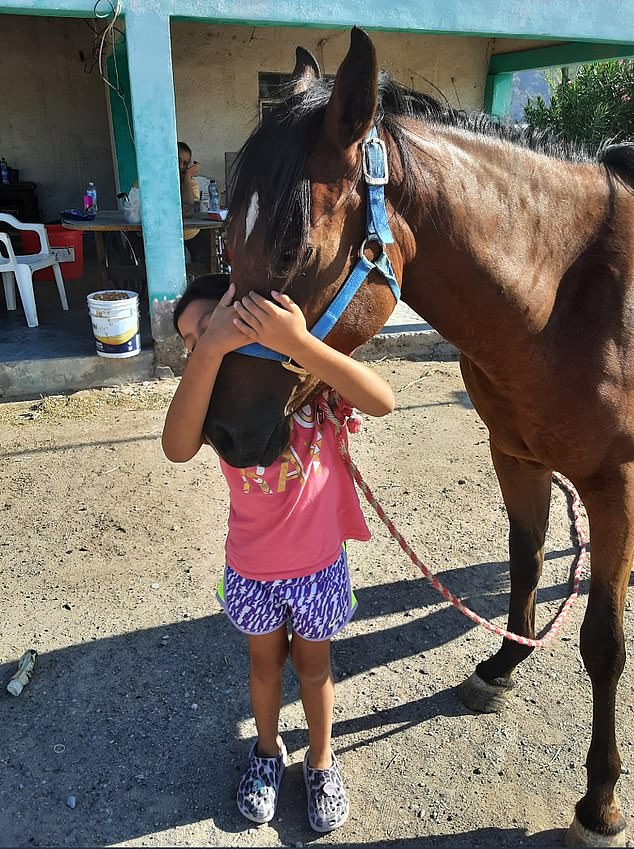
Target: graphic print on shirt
291 466
255 474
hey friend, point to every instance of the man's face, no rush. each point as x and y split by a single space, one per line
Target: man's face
184 158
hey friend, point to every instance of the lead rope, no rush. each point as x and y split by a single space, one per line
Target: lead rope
352 421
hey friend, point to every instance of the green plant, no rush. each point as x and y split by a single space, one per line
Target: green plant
596 104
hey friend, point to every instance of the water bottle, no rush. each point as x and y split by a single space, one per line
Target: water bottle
214 198
23 674
4 171
91 191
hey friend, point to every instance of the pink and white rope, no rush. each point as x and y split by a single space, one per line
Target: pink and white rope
578 563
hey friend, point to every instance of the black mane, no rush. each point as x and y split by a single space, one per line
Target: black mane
273 160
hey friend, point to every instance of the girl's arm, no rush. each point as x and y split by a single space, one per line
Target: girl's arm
183 428
282 327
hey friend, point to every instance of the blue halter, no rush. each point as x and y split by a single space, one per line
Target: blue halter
375 174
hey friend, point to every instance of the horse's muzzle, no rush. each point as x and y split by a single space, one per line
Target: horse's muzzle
242 449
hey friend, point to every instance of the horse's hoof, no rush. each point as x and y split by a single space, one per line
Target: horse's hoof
580 836
478 695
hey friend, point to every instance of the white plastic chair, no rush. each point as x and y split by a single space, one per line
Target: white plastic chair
22 267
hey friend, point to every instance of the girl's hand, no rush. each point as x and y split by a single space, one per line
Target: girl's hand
221 334
280 326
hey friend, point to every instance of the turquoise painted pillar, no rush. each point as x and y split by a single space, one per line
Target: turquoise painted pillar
154 114
498 94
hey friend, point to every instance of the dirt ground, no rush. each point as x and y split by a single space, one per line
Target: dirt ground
139 706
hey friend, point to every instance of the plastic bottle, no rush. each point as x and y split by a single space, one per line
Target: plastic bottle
91 191
214 198
26 665
4 171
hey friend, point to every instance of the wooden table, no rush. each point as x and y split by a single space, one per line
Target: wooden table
112 221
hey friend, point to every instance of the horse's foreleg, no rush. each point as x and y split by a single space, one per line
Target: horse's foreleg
526 491
610 506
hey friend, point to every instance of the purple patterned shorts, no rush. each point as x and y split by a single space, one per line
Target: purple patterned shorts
316 606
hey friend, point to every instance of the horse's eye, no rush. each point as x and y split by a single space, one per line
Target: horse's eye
287 259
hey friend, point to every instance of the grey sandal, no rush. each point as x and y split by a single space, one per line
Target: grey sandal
259 786
328 805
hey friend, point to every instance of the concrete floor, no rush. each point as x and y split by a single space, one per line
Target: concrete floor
59 355
60 333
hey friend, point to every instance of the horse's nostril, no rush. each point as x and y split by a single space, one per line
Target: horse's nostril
242 448
222 440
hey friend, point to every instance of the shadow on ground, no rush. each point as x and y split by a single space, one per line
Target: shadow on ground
141 727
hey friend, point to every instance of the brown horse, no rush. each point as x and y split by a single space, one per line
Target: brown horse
519 252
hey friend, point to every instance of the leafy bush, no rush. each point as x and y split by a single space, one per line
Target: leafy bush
597 104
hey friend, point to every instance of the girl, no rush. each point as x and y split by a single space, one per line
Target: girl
286 564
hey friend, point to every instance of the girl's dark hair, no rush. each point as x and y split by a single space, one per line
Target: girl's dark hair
184 146
207 287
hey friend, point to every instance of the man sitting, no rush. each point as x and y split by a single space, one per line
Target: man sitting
196 241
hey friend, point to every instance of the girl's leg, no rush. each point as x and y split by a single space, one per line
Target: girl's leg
267 654
312 662
328 806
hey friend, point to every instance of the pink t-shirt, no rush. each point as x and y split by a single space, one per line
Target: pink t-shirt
291 518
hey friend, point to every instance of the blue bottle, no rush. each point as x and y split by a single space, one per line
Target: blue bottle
214 199
4 171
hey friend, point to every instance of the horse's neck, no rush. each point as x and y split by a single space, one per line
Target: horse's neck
496 227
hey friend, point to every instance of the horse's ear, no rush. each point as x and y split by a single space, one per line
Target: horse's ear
352 106
305 72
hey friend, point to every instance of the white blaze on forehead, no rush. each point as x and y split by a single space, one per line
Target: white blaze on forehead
252 215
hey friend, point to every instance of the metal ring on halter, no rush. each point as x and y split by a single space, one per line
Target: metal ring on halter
292 366
369 240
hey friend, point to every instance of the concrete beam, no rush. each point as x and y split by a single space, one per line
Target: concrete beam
557 55
51 8
570 20
592 20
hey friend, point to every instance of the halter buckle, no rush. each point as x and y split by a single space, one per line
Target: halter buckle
375 160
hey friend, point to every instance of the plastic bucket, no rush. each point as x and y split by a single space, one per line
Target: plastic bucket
115 322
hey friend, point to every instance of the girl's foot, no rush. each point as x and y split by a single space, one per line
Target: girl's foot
259 786
328 806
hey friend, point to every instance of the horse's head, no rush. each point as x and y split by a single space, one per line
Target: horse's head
297 224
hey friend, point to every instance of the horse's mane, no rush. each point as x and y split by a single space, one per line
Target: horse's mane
273 160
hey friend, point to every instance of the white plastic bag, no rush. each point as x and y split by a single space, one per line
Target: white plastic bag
132 206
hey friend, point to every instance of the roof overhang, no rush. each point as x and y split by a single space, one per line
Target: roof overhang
570 20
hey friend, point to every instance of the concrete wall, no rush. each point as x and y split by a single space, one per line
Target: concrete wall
216 75
53 116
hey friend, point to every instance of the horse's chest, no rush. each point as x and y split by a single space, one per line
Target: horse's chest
520 419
